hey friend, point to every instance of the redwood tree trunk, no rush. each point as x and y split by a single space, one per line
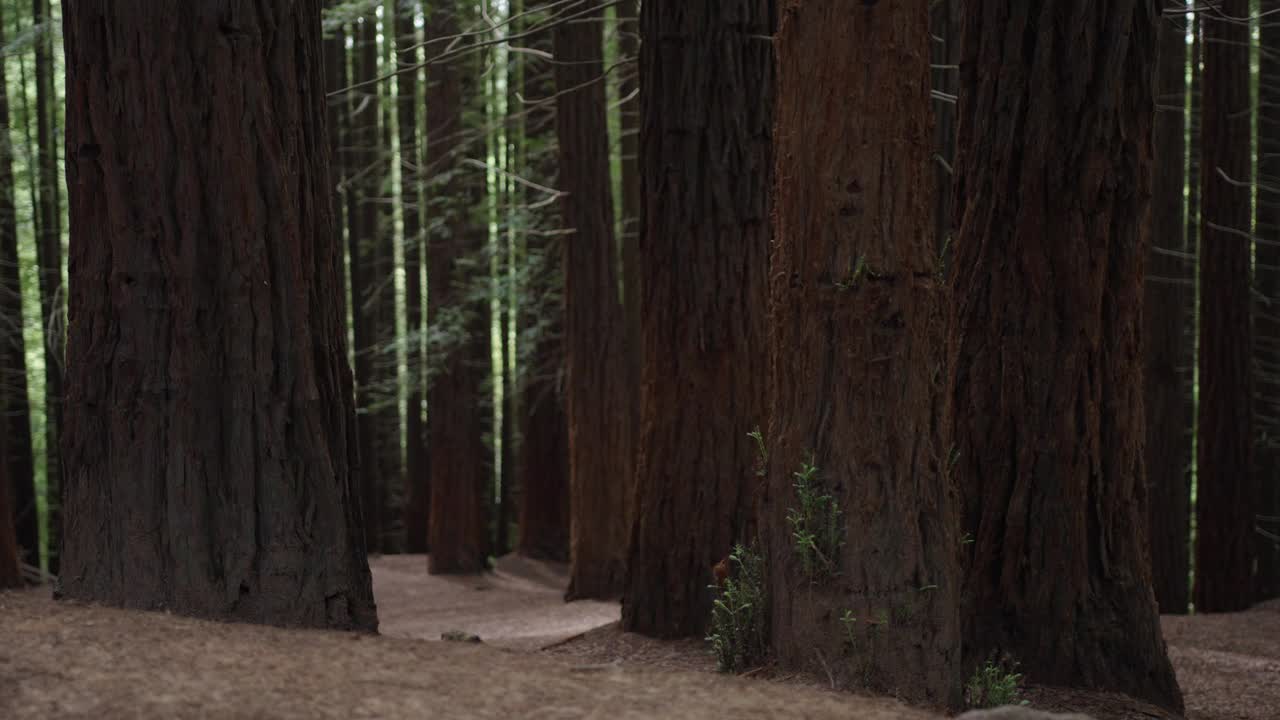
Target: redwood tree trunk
857 381
416 507
1167 296
1267 316
459 459
1054 177
597 387
705 139
210 429
10 570
52 296
17 459
629 46
544 450
1226 501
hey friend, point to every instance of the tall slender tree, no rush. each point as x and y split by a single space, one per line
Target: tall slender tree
407 79
629 125
15 410
1225 497
210 427
49 259
704 243
857 380
459 460
544 432
1166 298
1053 181
10 570
597 391
1267 314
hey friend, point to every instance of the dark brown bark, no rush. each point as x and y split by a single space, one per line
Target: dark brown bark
1054 181
210 429
1267 315
704 242
459 459
10 570
597 387
544 430
416 506
49 259
1225 498
945 46
857 381
629 47
1167 389
18 460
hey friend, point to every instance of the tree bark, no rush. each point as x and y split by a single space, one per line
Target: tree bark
10 570
629 46
416 507
1225 496
459 459
1167 395
1267 315
1054 181
857 381
597 388
210 428
544 445
15 410
52 296
704 243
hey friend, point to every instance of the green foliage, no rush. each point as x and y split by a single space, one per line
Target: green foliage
815 525
992 685
762 452
740 614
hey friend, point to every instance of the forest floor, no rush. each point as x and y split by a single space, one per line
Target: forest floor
539 658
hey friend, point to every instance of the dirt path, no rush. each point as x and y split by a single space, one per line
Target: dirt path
69 660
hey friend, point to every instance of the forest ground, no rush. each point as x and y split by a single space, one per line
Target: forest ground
539 658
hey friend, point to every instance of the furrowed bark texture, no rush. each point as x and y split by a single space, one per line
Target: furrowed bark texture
210 429
857 376
705 140
597 391
1167 298
1226 499
1054 182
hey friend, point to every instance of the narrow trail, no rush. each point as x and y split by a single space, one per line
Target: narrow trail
77 661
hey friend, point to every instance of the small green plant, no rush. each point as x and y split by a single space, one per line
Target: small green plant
762 452
992 685
815 525
740 613
850 623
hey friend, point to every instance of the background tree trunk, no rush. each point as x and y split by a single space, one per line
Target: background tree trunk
18 459
856 341
544 432
1054 175
209 396
598 394
1167 292
705 139
49 258
1225 496
411 177
10 570
1267 315
629 117
459 459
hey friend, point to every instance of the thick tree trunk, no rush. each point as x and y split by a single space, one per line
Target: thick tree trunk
1225 496
544 433
1267 315
1054 178
52 296
597 389
1167 295
210 429
416 507
18 460
459 459
361 240
705 140
857 381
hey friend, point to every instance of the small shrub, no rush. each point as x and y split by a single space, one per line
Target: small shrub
740 613
815 526
993 685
